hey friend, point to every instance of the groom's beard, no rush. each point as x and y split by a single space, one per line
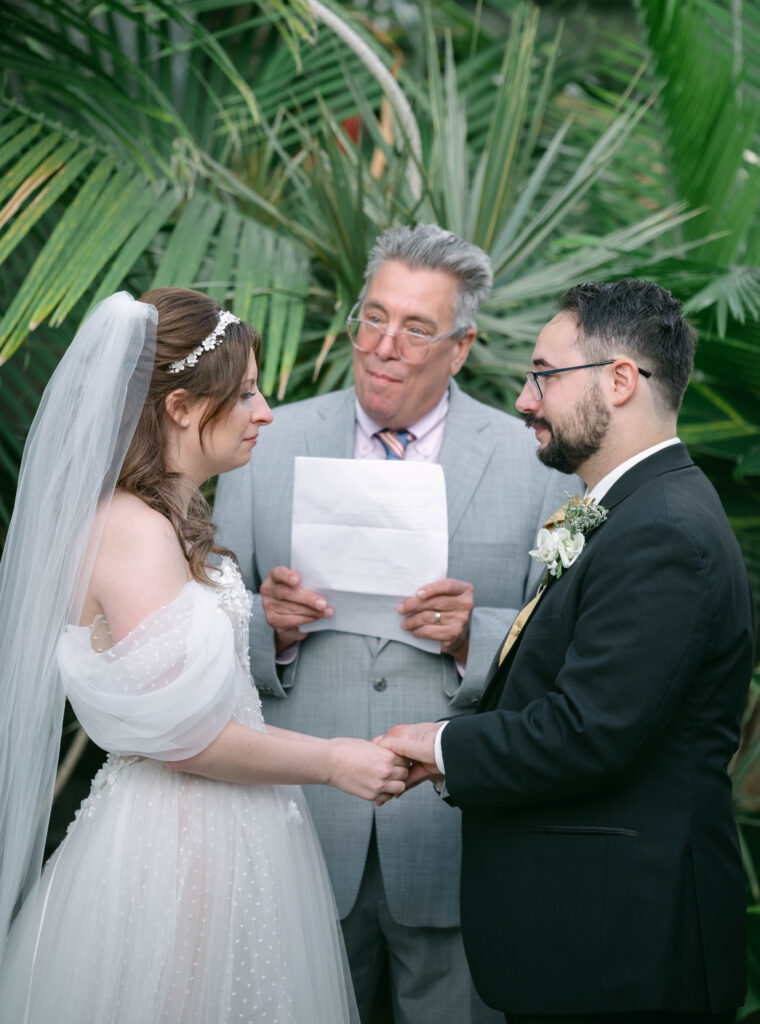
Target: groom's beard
581 436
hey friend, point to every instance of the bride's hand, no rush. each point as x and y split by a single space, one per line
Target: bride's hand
366 770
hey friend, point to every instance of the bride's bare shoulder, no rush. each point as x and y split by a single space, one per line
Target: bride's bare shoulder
136 534
128 517
139 566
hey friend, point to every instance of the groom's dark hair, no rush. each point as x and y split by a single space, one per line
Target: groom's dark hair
638 319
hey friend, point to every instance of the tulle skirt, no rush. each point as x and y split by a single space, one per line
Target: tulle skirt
178 900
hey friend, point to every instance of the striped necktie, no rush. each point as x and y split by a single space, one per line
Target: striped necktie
394 442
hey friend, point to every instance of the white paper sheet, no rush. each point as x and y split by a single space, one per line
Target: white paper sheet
366 534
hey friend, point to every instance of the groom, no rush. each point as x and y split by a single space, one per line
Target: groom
601 875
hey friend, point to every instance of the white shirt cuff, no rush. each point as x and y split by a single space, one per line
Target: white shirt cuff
439 751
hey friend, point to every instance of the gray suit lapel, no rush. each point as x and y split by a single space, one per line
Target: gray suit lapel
319 432
329 434
465 452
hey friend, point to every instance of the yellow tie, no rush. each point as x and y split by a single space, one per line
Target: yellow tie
524 614
522 617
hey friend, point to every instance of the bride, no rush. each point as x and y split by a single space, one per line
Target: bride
190 889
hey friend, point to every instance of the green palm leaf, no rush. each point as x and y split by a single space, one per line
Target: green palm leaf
709 102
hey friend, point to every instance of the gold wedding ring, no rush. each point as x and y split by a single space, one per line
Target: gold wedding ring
437 618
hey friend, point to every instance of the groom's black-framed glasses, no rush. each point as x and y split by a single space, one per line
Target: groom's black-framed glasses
535 385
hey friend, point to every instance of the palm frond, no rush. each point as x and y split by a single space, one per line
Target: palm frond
112 219
710 104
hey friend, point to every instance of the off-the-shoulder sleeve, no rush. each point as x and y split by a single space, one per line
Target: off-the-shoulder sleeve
166 690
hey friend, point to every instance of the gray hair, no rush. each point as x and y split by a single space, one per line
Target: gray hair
429 247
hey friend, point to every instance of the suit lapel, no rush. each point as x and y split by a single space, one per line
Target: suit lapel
497 673
323 433
674 457
465 452
667 460
329 432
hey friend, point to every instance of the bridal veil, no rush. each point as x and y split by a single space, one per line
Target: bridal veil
71 463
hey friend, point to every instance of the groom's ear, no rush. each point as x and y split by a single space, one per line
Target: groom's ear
177 404
623 377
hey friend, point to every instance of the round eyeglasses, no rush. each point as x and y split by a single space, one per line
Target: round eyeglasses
535 385
411 346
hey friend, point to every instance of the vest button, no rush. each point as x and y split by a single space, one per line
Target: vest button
380 684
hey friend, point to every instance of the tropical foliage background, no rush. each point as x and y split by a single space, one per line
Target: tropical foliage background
255 150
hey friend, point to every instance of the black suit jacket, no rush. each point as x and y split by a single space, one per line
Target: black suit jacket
601 869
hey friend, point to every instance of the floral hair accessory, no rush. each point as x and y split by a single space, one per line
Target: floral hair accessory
215 338
563 537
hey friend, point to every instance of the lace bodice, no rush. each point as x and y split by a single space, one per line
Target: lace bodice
169 687
237 602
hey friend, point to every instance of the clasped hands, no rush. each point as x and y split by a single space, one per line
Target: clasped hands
399 760
438 611
416 744
408 758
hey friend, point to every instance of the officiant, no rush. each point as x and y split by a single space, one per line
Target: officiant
395 869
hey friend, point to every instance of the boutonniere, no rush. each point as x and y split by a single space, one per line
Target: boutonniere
562 538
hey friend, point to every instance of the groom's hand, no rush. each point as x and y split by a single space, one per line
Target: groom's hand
417 743
287 606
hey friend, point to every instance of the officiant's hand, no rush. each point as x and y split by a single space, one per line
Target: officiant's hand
441 611
417 744
287 606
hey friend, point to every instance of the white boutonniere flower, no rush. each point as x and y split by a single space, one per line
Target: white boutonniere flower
557 548
561 539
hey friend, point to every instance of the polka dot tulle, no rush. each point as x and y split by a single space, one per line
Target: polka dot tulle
175 899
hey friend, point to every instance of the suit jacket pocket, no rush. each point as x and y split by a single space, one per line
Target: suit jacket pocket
585 830
545 625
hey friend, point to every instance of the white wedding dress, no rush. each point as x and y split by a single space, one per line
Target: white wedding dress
175 899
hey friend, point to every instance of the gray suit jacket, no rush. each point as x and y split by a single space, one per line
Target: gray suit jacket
342 684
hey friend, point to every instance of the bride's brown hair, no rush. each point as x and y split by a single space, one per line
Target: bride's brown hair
185 318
